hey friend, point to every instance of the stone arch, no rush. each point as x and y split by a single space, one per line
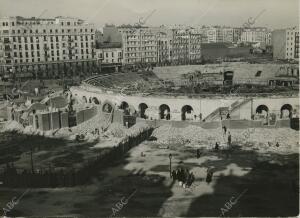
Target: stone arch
286 111
95 100
186 109
263 112
107 107
84 99
142 109
262 108
124 105
164 112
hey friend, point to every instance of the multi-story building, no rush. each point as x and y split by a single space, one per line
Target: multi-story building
57 47
164 40
254 35
186 46
139 45
227 34
214 34
285 43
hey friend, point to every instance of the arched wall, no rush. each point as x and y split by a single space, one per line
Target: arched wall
204 106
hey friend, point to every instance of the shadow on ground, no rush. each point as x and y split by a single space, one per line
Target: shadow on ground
269 189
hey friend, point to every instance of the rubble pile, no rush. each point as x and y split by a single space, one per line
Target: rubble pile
193 135
116 130
263 139
260 139
12 126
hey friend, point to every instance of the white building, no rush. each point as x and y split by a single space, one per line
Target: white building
254 35
46 47
285 43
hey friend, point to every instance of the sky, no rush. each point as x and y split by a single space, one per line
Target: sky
274 13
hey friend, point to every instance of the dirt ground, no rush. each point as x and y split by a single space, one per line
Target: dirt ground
140 185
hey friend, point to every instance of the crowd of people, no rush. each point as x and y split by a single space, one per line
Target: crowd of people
184 177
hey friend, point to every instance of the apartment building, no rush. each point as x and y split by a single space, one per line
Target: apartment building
186 46
43 48
285 43
139 45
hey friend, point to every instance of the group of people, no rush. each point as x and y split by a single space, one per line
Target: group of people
184 177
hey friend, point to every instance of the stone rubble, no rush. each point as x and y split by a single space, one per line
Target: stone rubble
258 139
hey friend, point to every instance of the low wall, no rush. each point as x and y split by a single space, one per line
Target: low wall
231 124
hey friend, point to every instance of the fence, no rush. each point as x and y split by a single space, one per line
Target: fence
14 178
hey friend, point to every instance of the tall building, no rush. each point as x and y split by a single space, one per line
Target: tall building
47 48
186 46
139 45
285 43
164 47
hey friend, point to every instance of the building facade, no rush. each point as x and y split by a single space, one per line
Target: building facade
109 55
285 43
139 45
255 35
44 48
186 46
164 41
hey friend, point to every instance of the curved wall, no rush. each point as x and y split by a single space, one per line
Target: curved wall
204 106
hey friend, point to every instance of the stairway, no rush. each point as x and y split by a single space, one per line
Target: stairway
215 115
237 104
